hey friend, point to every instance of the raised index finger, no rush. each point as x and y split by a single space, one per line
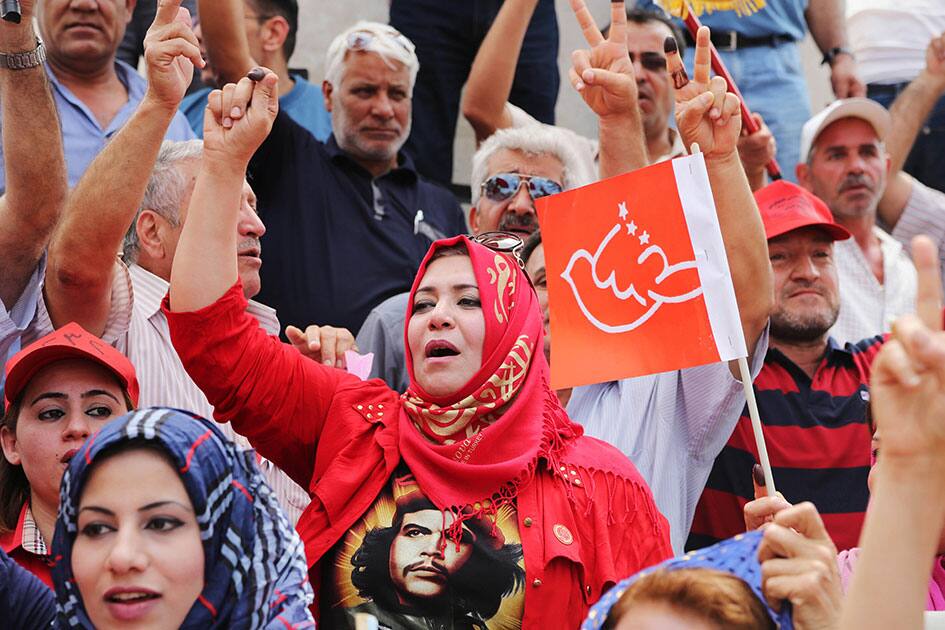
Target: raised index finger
166 12
928 299
702 59
586 21
618 22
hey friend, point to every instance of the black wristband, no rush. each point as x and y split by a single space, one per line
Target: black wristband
834 52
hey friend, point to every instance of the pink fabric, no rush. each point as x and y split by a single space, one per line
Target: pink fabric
935 599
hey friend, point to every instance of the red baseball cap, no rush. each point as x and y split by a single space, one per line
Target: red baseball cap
785 206
69 342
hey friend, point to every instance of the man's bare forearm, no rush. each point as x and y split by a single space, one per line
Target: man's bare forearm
493 69
622 145
745 243
34 163
908 113
98 213
224 34
827 23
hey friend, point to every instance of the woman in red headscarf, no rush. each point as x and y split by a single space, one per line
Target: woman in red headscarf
472 501
479 433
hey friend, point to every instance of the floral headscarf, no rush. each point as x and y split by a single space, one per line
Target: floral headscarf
254 563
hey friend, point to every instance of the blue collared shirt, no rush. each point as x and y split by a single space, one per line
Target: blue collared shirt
339 241
82 136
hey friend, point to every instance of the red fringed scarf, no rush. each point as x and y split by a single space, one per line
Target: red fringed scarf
472 451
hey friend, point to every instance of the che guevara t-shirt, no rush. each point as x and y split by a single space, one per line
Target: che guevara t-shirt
397 564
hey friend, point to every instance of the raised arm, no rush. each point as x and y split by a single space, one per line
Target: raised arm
706 114
104 203
826 20
493 70
33 158
907 502
224 34
909 112
271 393
604 77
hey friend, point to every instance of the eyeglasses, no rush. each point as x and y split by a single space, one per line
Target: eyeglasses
503 186
652 61
502 242
362 40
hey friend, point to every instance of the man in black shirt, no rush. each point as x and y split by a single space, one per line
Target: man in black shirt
349 220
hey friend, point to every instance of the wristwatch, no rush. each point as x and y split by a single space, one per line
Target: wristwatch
834 52
24 60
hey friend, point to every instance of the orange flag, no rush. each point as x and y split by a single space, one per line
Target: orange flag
638 279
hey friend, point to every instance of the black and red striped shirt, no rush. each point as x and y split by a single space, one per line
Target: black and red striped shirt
818 444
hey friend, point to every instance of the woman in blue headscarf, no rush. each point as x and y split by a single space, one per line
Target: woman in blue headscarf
164 522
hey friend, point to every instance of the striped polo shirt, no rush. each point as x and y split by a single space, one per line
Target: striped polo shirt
818 444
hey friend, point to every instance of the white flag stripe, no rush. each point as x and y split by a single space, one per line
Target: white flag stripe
695 193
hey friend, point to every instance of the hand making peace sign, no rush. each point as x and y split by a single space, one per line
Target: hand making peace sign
705 112
603 74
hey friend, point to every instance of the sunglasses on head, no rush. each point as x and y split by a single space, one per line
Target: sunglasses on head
362 40
652 61
502 242
503 186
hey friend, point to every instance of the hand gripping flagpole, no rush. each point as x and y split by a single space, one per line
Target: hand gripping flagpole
753 414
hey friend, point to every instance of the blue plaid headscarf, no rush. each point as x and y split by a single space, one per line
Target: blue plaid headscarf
254 563
738 556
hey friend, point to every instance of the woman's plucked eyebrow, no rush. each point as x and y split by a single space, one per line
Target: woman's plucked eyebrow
150 506
60 395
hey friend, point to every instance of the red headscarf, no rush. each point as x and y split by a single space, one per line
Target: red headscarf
471 451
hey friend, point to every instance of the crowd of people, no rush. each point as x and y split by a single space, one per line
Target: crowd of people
175 455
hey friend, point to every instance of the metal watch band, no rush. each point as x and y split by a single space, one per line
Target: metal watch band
24 60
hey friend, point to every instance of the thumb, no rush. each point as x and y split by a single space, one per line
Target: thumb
295 335
757 480
610 81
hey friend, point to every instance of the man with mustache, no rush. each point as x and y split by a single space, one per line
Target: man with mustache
812 392
348 220
120 301
95 93
848 166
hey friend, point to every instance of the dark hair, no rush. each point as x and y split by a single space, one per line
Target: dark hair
531 244
646 16
471 594
14 486
289 9
715 596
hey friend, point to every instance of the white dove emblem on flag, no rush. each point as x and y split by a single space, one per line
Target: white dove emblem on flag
651 301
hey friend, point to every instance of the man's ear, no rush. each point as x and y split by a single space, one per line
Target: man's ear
802 171
148 227
275 32
327 89
129 9
8 440
474 220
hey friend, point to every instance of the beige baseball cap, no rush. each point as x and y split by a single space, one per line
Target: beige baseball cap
864 108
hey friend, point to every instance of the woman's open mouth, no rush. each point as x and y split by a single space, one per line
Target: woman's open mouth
440 349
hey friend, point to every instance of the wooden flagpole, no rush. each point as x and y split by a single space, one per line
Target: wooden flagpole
752 403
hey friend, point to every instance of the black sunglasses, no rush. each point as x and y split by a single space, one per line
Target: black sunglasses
652 61
503 186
